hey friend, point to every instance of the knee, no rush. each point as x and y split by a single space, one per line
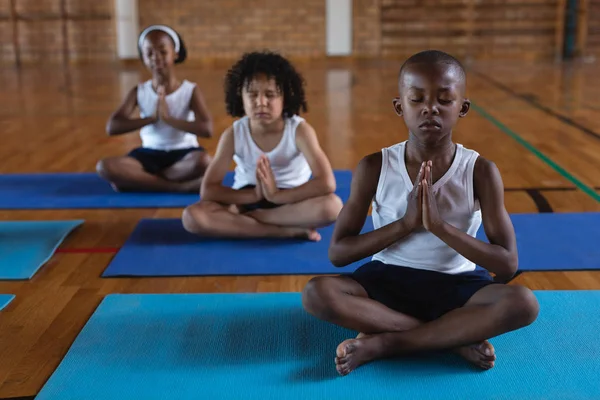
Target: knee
522 306
195 219
108 169
204 160
330 208
317 297
104 169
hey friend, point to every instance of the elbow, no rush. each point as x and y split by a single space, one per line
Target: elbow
329 185
204 191
208 192
335 256
508 268
205 129
110 127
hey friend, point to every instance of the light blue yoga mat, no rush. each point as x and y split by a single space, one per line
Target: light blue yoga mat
5 300
27 245
264 346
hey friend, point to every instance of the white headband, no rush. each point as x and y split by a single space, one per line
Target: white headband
164 29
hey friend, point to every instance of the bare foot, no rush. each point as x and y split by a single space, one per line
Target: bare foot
302 233
352 353
192 186
481 355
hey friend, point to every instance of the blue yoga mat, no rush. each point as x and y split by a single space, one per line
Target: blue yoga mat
264 346
87 190
556 241
161 247
5 300
27 245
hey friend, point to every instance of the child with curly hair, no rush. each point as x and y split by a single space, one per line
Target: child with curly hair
283 184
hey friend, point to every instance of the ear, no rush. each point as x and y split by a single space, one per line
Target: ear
397 106
464 109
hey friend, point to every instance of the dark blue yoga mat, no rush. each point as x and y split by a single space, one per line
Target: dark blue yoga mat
5 300
264 346
25 246
161 247
556 241
87 190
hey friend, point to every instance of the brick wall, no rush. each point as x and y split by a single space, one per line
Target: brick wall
592 41
229 27
47 31
84 30
472 29
366 23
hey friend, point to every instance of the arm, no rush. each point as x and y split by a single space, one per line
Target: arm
212 186
323 180
499 256
347 244
202 125
120 121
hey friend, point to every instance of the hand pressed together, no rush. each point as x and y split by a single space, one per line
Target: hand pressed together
266 179
422 209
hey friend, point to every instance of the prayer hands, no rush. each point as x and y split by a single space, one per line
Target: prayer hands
431 217
266 179
162 109
413 216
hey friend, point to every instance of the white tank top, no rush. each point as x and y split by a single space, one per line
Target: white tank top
289 165
456 204
161 136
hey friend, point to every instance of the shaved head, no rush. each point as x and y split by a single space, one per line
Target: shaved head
431 58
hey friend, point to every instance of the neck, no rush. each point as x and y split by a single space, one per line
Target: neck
419 151
168 80
259 128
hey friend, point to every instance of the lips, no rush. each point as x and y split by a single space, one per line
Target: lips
430 123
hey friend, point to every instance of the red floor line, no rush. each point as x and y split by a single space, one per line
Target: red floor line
88 250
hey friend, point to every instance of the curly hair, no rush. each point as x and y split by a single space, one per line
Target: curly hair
273 65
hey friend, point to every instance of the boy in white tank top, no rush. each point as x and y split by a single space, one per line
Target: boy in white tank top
172 117
422 291
276 152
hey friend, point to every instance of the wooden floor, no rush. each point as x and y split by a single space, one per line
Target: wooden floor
52 120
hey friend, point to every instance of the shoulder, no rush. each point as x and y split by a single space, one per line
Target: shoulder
132 96
226 141
369 168
145 85
304 130
227 133
365 178
485 169
305 137
486 177
238 124
133 92
189 84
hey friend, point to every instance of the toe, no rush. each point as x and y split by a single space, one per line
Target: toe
344 349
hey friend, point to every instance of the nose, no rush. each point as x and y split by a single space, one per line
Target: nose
261 100
430 108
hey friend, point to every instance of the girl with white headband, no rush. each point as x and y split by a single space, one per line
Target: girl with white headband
173 114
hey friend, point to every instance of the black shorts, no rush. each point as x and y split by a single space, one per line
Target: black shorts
263 204
425 295
155 161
